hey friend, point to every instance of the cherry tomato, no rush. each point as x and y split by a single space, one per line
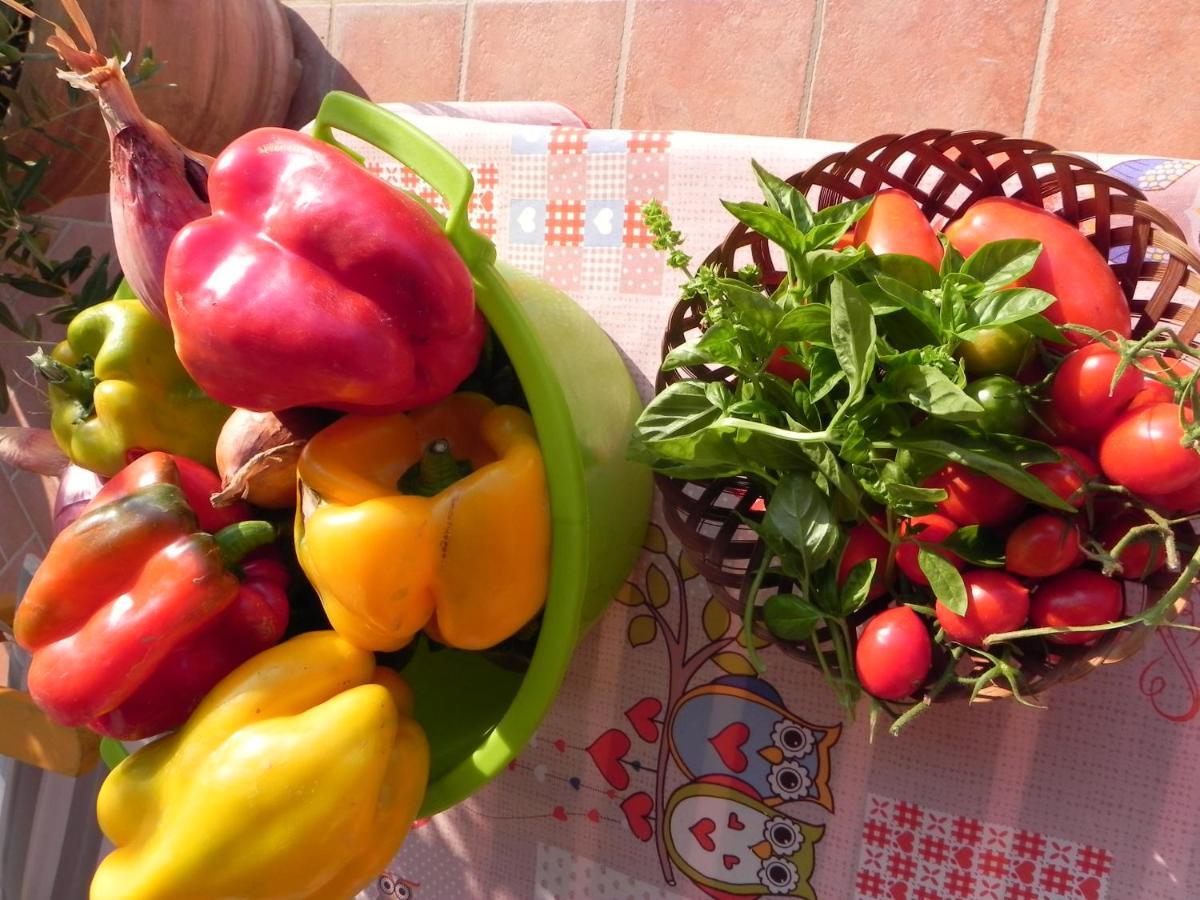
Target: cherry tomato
1042 545
1058 431
931 530
974 499
1076 597
1069 476
1003 350
895 224
996 603
1144 451
894 654
1142 557
1082 391
1069 267
1003 402
1183 501
781 366
865 543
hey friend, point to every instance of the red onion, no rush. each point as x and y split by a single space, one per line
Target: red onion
157 185
76 488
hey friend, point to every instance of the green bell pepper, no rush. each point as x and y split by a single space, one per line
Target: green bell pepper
117 387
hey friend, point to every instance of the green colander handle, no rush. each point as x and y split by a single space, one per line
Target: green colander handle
412 147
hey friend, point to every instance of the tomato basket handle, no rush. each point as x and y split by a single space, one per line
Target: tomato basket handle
411 147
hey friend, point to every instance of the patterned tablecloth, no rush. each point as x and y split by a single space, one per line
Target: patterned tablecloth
665 768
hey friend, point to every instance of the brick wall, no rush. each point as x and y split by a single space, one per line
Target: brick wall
1079 74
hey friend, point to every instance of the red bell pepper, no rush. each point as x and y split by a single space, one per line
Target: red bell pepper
314 283
138 610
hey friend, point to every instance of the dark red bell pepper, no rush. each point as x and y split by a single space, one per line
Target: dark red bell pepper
138 610
314 283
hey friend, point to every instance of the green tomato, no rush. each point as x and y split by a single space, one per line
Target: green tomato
1000 350
1003 402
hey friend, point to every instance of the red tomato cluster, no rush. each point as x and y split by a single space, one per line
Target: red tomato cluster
1124 432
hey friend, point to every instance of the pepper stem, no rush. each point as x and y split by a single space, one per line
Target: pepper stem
236 540
79 384
434 472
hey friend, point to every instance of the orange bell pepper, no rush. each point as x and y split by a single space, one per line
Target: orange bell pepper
437 519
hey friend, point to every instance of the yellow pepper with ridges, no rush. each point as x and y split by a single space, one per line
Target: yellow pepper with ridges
436 519
297 777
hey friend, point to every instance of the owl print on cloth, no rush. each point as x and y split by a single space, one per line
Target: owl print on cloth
731 844
738 726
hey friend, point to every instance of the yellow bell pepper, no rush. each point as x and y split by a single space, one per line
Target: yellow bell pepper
298 776
437 519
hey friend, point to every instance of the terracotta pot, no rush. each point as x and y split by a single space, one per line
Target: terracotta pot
228 67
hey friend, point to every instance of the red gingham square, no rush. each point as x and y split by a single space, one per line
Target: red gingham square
649 142
568 141
564 223
635 233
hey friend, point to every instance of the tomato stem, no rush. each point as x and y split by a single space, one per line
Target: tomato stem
927 701
1151 617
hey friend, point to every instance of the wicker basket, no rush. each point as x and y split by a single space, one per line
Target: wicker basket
945 172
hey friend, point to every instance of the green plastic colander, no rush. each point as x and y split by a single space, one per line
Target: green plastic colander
479 715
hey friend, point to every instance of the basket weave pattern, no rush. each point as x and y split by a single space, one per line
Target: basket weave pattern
945 172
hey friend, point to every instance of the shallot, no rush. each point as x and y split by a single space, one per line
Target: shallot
257 454
157 185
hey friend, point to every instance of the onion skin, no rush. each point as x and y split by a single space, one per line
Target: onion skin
76 488
257 454
32 449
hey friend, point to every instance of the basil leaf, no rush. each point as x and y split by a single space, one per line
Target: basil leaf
845 213
928 389
1004 308
913 494
674 436
752 408
857 586
791 618
784 198
911 270
826 385
823 263
917 303
977 546
852 329
748 306
944 580
1040 326
771 224
809 322
881 301
799 515
718 345
988 460
824 236
1000 263
826 462
952 260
